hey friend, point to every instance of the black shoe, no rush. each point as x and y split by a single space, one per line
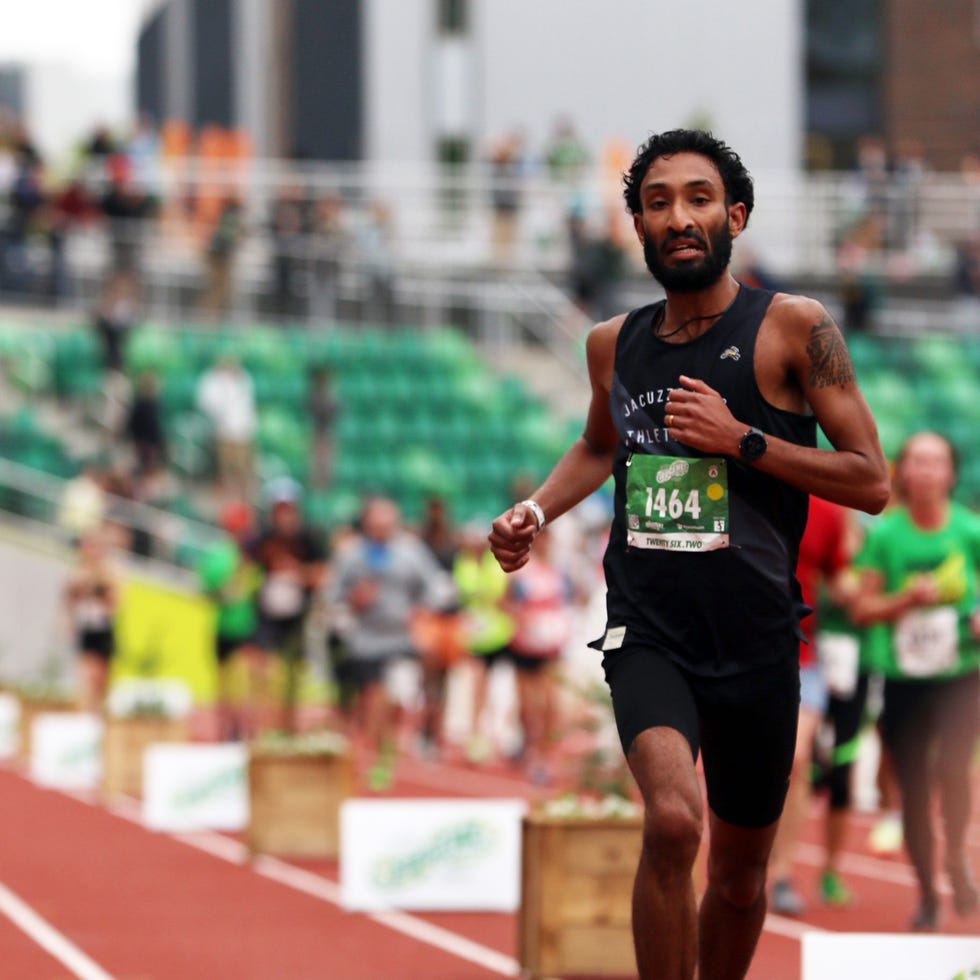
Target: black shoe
927 918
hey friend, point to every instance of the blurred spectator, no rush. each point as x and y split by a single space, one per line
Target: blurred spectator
874 179
825 551
439 533
69 208
438 633
293 563
220 255
232 581
143 150
114 319
749 269
860 280
565 155
287 229
144 428
91 596
507 166
120 531
323 407
918 570
539 600
481 585
909 170
226 395
126 208
381 577
331 245
374 239
967 273
100 144
82 506
598 265
25 206
966 283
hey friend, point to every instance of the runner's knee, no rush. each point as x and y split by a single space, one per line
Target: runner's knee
671 832
738 884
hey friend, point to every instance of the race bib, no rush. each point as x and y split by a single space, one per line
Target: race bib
91 614
839 654
676 504
282 596
927 641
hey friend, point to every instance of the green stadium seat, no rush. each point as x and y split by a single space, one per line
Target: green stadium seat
942 357
152 348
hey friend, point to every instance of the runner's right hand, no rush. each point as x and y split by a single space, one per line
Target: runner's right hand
511 536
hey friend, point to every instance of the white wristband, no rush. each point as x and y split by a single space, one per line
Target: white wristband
535 508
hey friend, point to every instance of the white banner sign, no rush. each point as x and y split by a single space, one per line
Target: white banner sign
858 956
431 854
9 726
66 750
190 787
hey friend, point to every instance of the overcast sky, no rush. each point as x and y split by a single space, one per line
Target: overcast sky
97 37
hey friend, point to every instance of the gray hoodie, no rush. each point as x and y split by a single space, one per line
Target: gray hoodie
407 576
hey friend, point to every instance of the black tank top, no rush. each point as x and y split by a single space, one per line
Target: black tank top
735 608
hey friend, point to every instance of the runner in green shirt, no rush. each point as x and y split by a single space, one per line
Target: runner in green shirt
919 575
231 580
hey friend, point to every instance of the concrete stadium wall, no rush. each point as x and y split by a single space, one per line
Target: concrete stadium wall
34 635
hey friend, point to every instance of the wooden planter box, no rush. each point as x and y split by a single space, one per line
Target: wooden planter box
30 708
124 741
576 891
294 802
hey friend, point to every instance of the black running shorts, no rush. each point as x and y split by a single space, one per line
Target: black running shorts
744 725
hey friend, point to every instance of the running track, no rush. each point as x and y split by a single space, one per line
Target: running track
86 892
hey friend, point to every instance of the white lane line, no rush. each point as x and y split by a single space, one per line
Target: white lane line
235 852
224 848
48 938
790 928
408 925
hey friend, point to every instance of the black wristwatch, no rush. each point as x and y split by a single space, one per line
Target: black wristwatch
753 445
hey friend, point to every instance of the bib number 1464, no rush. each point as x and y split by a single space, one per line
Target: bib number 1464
672 505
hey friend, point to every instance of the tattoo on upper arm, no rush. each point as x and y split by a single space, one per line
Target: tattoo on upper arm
830 364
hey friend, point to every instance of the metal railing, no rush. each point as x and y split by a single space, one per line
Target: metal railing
422 244
169 543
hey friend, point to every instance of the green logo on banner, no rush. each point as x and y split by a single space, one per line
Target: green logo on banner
80 754
455 846
224 781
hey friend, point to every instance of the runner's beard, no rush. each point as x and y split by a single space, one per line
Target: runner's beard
692 275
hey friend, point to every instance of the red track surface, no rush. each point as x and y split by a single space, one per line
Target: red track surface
148 906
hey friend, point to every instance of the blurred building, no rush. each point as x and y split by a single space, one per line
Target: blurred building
288 72
424 80
905 71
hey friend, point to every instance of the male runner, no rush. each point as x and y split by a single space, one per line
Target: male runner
704 408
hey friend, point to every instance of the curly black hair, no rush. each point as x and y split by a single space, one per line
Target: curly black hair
737 181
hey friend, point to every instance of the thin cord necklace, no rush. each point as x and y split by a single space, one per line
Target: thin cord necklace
707 316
